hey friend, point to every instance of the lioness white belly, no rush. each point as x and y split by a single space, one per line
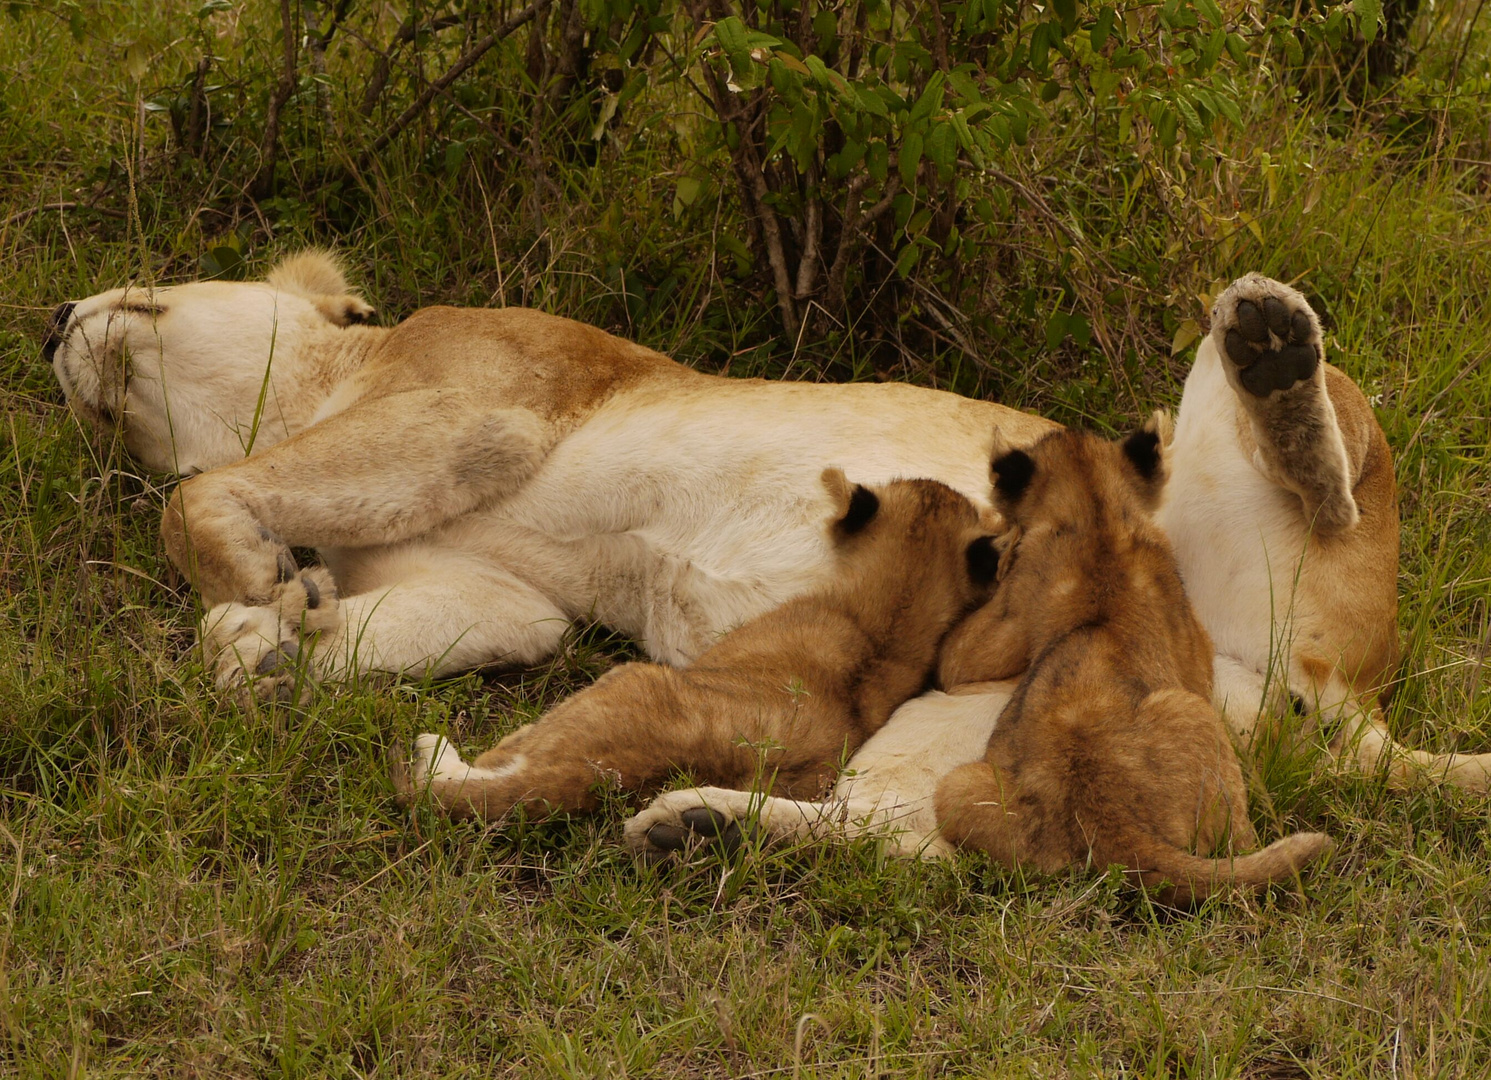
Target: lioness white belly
1238 538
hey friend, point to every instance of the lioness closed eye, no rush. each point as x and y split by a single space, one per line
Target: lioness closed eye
785 698
1110 751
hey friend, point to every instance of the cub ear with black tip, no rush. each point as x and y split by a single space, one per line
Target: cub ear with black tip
853 504
1013 470
1146 447
864 504
983 560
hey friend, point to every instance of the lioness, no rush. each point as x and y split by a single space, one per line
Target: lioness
475 481
1109 751
783 700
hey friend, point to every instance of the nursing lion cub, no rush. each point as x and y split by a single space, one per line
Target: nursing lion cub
1110 751
783 700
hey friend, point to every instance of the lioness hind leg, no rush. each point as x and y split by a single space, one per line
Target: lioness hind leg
447 613
1272 353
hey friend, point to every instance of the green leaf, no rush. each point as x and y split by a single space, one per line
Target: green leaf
1050 89
1213 49
907 260
910 157
803 139
223 262
964 133
818 71
1237 48
1166 127
730 32
963 85
1228 108
1186 334
688 190
1080 329
1210 12
871 102
1039 45
942 148
931 99
1101 29
1019 127
136 61
826 26
1066 11
1055 329
1368 15
1193 122
877 161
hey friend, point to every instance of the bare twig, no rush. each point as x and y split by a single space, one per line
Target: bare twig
31 211
459 68
316 40
199 116
263 182
750 174
383 66
807 265
852 233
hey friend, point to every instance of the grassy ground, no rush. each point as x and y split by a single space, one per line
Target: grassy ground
188 889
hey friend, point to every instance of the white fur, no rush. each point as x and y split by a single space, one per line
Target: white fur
673 513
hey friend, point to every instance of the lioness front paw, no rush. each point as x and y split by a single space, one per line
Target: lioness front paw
1268 333
252 649
689 819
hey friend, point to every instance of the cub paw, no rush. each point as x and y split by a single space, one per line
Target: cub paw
1268 332
253 650
681 822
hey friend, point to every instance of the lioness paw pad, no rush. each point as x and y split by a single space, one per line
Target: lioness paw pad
254 650
1269 333
680 822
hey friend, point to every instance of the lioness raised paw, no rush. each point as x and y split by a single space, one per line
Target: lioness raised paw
252 649
689 819
1269 333
1273 355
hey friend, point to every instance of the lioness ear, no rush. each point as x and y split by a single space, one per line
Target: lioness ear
1146 447
1013 471
309 273
983 560
317 276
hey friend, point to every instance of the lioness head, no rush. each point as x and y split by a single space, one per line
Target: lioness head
196 375
1067 482
913 530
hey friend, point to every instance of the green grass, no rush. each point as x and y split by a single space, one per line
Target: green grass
188 889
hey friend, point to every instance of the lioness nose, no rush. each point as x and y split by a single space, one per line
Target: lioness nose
56 324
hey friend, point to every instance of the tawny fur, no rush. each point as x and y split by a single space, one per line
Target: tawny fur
476 481
782 701
1110 752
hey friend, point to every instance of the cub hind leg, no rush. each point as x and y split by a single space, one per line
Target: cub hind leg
979 806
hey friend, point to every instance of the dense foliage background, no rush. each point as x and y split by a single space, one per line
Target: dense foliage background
1032 202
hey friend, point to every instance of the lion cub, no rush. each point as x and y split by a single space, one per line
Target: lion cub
1110 751
783 699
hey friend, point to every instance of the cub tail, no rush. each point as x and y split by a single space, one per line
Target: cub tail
1183 879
